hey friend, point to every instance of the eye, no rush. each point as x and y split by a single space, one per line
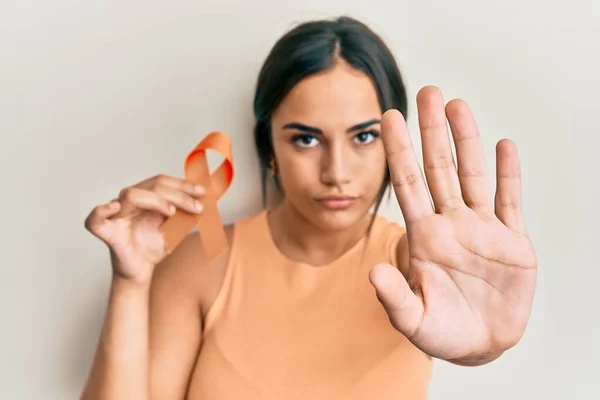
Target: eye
305 140
366 137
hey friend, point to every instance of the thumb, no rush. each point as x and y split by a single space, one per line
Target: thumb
97 222
403 306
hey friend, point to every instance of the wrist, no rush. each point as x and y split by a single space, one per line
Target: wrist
139 284
130 273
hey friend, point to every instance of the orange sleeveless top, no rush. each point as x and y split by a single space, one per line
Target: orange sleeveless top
284 330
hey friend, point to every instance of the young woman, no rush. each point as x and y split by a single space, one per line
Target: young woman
318 297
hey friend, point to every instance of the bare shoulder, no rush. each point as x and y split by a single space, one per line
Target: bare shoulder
183 284
188 268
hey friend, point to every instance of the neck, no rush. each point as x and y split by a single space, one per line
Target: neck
298 239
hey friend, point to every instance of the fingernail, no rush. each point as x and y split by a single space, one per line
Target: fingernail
199 189
172 209
198 206
114 204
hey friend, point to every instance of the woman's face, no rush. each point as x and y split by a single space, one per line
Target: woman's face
326 137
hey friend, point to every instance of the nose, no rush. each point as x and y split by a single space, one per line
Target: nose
335 170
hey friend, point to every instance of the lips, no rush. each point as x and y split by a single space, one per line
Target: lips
337 202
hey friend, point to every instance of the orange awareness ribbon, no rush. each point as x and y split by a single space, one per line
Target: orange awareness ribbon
209 223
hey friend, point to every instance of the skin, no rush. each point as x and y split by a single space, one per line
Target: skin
462 291
472 268
318 153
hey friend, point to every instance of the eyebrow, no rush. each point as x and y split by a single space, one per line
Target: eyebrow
311 129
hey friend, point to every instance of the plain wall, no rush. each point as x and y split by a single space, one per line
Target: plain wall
95 96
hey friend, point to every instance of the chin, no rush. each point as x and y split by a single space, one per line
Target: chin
336 220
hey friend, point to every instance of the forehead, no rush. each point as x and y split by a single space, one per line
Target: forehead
334 99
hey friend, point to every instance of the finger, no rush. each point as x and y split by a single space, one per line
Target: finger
101 213
97 219
134 198
472 172
405 172
404 308
179 199
177 184
438 160
508 186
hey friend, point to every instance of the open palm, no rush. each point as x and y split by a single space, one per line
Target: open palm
472 268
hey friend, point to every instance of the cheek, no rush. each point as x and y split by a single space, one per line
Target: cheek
298 172
373 168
